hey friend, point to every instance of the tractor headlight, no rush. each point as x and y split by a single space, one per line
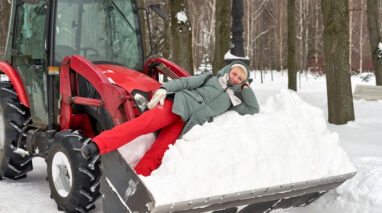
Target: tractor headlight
140 101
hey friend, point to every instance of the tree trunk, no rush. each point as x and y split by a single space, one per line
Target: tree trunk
361 41
248 32
292 65
307 26
281 9
316 35
222 33
350 33
167 49
374 38
301 37
179 35
336 49
4 19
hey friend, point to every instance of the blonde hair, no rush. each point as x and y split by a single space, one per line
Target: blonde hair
243 69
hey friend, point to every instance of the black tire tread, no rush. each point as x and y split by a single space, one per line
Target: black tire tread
81 198
16 116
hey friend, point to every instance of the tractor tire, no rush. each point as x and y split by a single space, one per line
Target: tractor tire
13 117
73 180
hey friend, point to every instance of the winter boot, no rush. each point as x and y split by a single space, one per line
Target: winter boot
90 150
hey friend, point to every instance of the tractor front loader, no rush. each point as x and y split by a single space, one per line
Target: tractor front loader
74 68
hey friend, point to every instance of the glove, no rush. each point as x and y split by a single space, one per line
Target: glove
158 97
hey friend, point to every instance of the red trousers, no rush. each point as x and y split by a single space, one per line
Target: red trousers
160 117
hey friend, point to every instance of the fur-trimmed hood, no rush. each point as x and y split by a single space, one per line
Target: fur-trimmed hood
226 70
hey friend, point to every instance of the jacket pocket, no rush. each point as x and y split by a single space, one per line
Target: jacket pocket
198 98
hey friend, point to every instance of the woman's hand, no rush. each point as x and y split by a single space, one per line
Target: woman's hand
245 86
158 97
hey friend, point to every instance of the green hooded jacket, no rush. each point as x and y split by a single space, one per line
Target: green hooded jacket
199 98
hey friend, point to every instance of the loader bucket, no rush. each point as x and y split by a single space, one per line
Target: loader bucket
123 191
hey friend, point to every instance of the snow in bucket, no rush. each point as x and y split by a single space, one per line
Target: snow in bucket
288 141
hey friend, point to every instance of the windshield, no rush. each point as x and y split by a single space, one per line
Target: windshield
103 31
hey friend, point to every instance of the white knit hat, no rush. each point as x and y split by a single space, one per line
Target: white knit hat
242 68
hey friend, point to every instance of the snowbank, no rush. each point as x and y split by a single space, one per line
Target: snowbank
359 194
287 142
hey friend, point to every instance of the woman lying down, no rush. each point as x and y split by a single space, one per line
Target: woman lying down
175 108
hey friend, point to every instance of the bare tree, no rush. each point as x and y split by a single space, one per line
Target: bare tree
336 48
178 35
361 42
266 34
281 12
307 27
300 35
350 33
316 34
203 30
374 38
222 33
292 65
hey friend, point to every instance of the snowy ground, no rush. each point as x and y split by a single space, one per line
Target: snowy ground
361 139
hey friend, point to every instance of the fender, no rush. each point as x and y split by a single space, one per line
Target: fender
16 82
128 79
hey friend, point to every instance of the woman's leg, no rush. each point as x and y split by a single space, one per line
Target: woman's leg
148 122
153 157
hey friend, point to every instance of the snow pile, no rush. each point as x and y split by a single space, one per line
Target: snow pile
365 187
228 55
359 194
287 142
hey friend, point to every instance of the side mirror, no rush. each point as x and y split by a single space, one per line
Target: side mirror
157 8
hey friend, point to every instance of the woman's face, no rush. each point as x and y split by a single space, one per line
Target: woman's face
235 76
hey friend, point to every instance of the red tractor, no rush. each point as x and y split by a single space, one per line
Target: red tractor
74 68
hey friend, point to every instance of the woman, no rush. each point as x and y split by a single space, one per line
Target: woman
190 101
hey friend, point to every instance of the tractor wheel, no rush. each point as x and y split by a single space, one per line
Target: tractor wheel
73 180
13 117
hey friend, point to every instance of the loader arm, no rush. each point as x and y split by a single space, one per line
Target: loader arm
115 84
112 96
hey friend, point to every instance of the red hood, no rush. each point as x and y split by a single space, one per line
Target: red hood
128 79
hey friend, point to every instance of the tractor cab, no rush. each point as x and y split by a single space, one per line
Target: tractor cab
44 32
103 31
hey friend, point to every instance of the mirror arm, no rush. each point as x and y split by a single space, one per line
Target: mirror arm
149 29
